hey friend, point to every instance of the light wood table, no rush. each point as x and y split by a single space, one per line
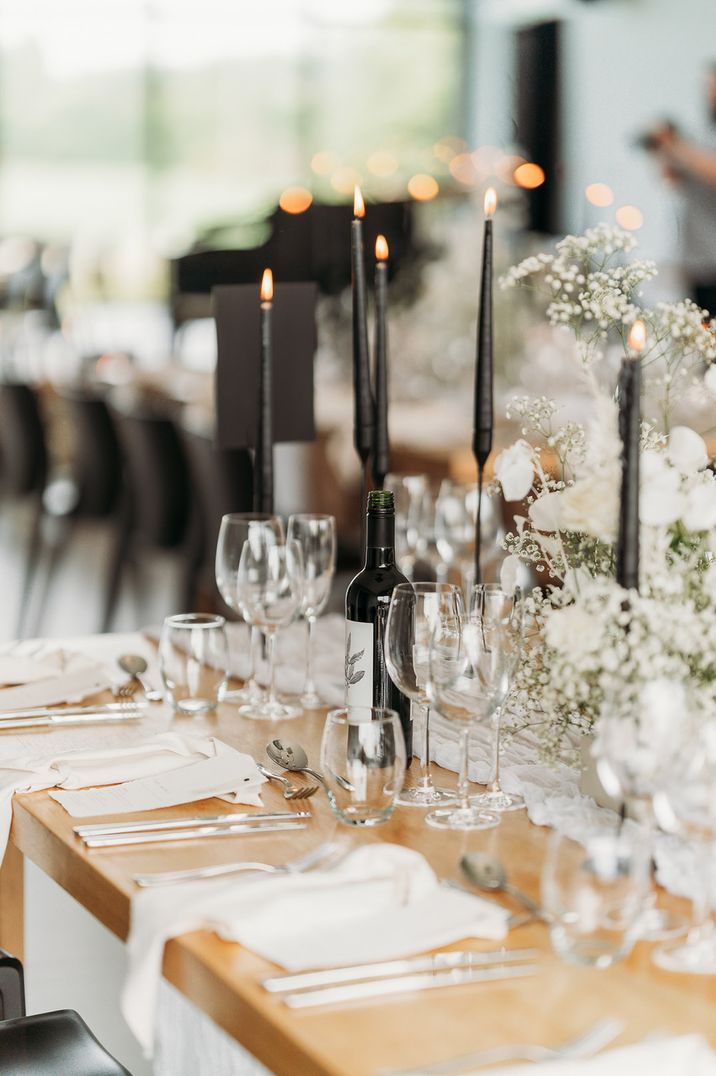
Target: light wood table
223 979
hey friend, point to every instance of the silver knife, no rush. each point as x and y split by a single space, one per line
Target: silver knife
404 984
58 711
126 839
107 828
69 718
435 962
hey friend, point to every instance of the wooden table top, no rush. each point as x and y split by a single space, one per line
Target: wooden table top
223 979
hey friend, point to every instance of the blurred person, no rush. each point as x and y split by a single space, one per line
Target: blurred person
691 162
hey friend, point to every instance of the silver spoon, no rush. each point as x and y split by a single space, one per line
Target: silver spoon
291 756
136 666
486 872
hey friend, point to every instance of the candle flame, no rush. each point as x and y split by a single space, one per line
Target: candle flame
358 203
381 248
490 201
637 336
267 286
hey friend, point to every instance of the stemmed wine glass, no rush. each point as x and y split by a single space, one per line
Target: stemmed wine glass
270 586
408 492
414 613
454 525
316 536
496 607
470 661
234 532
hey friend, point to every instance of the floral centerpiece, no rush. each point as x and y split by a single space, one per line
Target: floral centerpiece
600 651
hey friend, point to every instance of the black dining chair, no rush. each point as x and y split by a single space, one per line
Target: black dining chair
49 1043
157 513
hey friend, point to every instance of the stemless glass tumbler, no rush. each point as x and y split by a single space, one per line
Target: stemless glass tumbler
236 527
594 890
193 660
414 613
270 587
363 763
316 536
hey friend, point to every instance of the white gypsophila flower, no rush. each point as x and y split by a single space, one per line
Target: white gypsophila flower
514 470
686 449
700 510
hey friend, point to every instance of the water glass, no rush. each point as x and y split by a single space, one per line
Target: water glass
235 530
594 890
193 661
316 536
363 763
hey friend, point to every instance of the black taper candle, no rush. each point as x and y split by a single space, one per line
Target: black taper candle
483 408
263 454
364 417
629 391
381 455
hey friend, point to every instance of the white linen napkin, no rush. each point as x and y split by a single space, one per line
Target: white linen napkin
683 1055
381 902
80 769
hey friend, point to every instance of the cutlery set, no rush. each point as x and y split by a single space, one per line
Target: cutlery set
50 716
119 835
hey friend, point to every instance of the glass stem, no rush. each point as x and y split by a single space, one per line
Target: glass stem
494 785
254 654
425 778
271 655
463 791
309 688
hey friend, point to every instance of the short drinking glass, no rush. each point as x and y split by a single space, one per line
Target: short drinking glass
193 661
594 890
363 762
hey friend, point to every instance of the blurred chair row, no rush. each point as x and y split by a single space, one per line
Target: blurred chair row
156 485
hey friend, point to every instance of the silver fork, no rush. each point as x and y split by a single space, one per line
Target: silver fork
585 1045
127 690
290 792
329 854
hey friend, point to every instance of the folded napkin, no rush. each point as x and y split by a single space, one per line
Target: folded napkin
80 769
685 1055
381 902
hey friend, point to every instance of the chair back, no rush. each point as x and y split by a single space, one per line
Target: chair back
23 447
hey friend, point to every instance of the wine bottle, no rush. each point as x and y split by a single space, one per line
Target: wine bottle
367 603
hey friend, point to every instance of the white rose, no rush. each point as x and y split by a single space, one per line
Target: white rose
710 379
700 511
514 470
687 450
661 500
591 506
573 631
510 573
545 512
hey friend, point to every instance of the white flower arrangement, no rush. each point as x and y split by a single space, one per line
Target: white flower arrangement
603 659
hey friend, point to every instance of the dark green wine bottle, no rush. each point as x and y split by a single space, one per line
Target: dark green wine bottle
367 603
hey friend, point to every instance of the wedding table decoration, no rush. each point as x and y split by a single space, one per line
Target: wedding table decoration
602 650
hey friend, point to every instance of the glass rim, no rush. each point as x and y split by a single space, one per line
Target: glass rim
247 517
426 587
313 516
195 620
341 715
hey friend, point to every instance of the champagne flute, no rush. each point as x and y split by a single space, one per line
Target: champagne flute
415 610
235 530
468 681
270 585
496 607
316 536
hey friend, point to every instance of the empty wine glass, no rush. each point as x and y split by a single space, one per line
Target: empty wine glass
316 536
454 526
270 585
408 493
413 615
496 607
468 681
233 533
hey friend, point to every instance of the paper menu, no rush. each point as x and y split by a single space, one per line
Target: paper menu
228 772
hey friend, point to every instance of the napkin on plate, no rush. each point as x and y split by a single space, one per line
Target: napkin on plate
381 902
683 1055
81 769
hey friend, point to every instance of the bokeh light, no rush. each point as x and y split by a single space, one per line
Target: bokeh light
422 187
324 162
295 200
529 176
629 217
381 163
462 168
345 179
599 194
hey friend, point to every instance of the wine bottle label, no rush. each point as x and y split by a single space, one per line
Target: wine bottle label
359 663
